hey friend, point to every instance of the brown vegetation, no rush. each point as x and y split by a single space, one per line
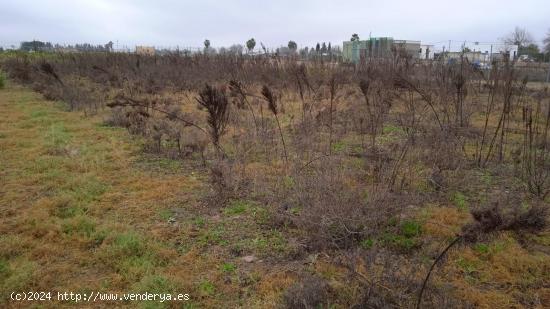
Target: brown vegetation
438 134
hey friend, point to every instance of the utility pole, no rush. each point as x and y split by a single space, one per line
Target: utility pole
490 61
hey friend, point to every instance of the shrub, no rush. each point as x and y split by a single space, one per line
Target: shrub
215 102
501 216
309 292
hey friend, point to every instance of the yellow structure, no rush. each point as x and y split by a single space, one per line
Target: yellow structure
145 50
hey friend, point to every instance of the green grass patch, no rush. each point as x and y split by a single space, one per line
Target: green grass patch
98 237
57 137
4 268
268 244
38 113
487 178
237 207
289 182
199 221
338 146
85 190
129 244
399 242
403 236
81 225
165 214
481 248
460 201
228 268
20 275
486 251
44 164
207 288
213 236
135 267
392 129
367 243
468 267
84 226
155 284
411 229
65 207
130 255
262 216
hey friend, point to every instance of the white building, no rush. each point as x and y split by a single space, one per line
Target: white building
426 52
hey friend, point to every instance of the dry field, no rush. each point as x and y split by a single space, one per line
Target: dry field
266 183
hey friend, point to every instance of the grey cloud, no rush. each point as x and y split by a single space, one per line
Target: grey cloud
188 23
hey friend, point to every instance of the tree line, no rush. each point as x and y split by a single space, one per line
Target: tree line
36 46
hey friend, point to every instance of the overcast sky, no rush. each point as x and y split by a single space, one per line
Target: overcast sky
184 23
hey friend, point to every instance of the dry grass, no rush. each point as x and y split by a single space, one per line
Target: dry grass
68 213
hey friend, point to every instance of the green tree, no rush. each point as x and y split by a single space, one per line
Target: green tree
206 44
546 42
250 44
34 45
354 37
109 46
532 50
292 46
317 47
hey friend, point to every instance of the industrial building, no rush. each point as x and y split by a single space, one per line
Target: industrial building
485 53
408 47
384 47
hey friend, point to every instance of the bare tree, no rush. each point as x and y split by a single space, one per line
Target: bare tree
520 37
